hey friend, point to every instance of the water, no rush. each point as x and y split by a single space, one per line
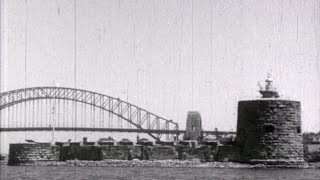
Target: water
61 172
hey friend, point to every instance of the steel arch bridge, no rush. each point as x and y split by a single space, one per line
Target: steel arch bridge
138 119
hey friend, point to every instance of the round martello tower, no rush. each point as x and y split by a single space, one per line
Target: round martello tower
269 130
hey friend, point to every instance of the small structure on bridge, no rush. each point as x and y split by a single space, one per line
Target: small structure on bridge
194 126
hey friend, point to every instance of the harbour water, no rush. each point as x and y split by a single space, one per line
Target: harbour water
63 172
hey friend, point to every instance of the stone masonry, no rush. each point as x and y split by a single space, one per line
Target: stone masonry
269 132
194 126
32 152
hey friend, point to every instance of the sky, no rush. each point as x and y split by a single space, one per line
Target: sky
168 57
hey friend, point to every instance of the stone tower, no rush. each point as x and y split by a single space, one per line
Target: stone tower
194 126
269 131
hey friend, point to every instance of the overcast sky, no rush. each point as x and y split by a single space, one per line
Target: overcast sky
168 57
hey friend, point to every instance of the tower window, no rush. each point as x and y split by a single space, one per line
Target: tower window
268 128
298 129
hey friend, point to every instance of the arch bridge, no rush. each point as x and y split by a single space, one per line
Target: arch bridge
70 109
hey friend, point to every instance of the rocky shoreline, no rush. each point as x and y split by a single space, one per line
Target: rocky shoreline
160 164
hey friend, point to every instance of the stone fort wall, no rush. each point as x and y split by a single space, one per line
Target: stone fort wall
269 132
32 152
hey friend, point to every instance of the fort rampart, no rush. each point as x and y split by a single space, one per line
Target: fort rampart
29 152
35 152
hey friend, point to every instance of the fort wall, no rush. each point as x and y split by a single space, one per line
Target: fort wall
29 153
312 152
80 152
35 153
32 152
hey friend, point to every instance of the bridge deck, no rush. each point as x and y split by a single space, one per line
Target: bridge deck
109 130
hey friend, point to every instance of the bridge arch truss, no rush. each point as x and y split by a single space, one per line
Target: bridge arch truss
142 120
